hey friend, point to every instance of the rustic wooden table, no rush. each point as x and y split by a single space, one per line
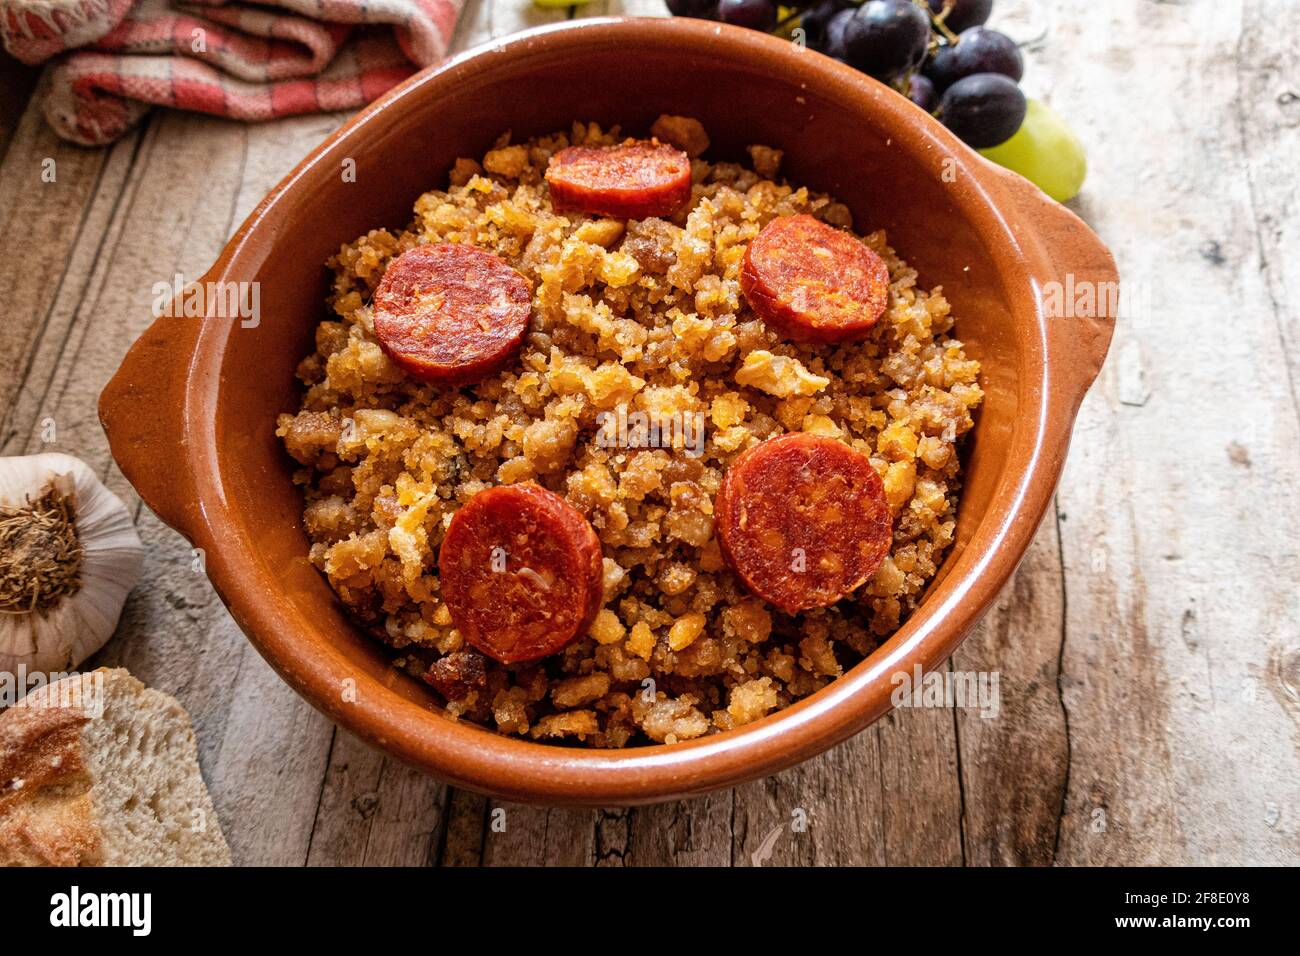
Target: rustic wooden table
1148 648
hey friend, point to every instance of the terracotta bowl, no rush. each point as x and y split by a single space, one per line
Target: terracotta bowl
191 413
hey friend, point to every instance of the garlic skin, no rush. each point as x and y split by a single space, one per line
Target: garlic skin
112 557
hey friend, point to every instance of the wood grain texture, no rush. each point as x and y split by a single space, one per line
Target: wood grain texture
1014 764
1147 651
1179 511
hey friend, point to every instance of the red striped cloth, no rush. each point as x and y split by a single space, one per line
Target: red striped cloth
281 58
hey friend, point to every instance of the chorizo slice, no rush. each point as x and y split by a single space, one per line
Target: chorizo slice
813 283
802 520
451 314
635 180
521 573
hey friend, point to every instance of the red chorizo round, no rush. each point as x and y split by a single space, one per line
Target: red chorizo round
802 520
636 180
521 573
451 314
813 283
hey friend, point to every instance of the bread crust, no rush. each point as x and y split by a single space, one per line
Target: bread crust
46 812
52 811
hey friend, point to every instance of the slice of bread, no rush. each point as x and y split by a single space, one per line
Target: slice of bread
121 787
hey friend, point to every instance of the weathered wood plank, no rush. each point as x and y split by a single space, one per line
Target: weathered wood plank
464 833
829 810
886 797
1014 762
1179 509
58 200
1268 112
519 835
1268 118
263 748
375 812
686 833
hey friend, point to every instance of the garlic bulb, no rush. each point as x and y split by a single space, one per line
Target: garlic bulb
69 555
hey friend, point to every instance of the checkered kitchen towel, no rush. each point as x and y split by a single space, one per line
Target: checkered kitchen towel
280 58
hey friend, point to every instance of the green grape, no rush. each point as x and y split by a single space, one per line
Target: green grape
1046 152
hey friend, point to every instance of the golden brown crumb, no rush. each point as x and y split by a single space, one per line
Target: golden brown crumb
573 691
765 160
574 723
667 720
751 700
464 170
685 133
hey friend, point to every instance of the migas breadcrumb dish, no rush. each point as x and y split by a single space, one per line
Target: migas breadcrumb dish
191 415
629 317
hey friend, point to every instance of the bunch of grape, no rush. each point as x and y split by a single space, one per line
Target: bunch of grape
937 52
940 55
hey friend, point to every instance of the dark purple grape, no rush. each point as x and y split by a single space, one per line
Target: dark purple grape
983 110
977 50
699 9
754 14
815 21
927 66
922 92
835 35
964 13
887 38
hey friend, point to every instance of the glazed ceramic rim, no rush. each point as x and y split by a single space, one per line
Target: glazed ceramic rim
473 757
